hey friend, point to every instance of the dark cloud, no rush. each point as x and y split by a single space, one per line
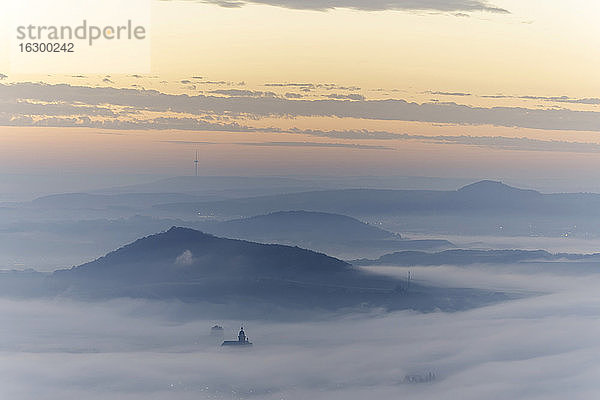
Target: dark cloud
496 96
333 86
221 83
313 86
291 95
508 143
296 85
290 144
269 106
25 107
227 3
52 115
348 134
565 99
553 99
161 123
242 93
371 5
496 142
164 123
351 96
450 93
315 144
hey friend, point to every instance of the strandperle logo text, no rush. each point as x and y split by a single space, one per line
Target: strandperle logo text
80 36
84 31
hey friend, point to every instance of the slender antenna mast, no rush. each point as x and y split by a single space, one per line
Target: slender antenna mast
196 163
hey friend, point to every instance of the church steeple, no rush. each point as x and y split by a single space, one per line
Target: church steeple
242 336
242 340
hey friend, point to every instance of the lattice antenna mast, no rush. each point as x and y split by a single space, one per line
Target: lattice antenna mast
196 163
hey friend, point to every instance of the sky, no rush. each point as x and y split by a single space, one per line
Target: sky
464 88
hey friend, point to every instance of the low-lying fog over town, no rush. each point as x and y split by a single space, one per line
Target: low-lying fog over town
393 314
292 200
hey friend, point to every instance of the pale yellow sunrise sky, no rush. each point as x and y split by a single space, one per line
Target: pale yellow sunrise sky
543 47
512 95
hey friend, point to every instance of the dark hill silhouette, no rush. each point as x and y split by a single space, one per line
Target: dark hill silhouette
489 188
248 278
492 195
334 234
466 257
302 226
186 255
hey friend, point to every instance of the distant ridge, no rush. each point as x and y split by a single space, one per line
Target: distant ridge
307 226
480 197
494 188
205 185
466 257
334 234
